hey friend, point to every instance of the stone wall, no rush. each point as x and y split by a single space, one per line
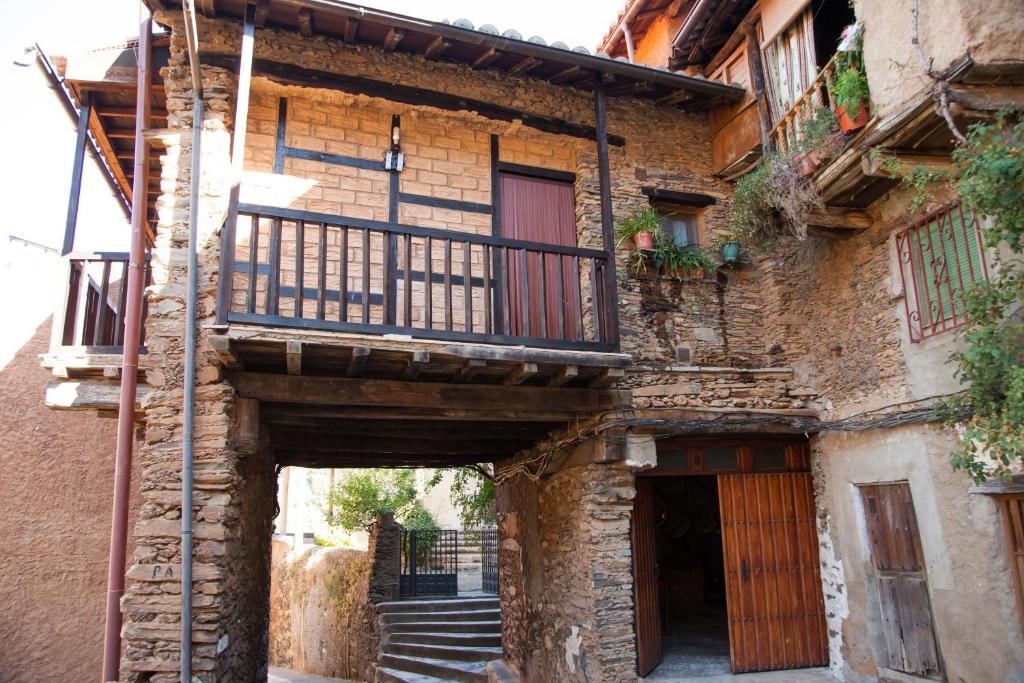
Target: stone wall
566 575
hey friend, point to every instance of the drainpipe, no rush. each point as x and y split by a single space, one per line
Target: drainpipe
129 366
693 20
190 344
623 28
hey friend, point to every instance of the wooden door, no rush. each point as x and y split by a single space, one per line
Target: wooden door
772 580
902 584
645 579
541 211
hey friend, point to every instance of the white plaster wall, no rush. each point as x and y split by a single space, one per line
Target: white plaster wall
969 578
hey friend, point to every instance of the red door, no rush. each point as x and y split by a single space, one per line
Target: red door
541 211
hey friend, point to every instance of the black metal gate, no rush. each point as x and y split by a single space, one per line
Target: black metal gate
489 560
429 562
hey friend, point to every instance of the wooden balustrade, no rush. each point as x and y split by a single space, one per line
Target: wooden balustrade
90 312
318 271
789 128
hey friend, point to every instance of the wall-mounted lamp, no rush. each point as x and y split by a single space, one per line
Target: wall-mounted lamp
394 158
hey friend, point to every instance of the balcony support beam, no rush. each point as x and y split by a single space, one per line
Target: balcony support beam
609 313
76 175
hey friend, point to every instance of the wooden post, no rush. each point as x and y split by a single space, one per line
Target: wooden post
286 477
76 175
760 90
609 303
227 233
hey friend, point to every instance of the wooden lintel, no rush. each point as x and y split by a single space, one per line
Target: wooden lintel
543 403
838 218
262 11
293 357
437 48
606 378
393 38
566 374
90 395
351 30
469 370
358 362
874 163
220 345
306 443
305 20
247 422
415 364
525 65
523 372
486 58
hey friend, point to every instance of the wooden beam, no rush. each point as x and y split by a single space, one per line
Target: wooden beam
566 75
262 11
358 361
87 395
486 58
415 364
293 357
522 373
221 347
305 20
247 422
627 89
393 38
289 74
430 397
873 163
757 81
566 374
986 98
839 218
351 30
606 378
524 66
469 370
313 443
77 167
607 313
437 48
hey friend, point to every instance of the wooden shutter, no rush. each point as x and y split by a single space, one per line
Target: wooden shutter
645 579
1013 519
902 584
772 579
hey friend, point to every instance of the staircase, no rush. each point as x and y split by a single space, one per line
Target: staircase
441 639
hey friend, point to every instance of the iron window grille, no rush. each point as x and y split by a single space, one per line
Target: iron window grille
940 256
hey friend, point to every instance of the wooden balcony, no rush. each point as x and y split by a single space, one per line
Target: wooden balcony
788 130
295 269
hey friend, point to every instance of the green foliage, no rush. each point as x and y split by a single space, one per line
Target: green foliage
417 517
820 133
849 87
363 495
644 218
772 201
674 258
472 494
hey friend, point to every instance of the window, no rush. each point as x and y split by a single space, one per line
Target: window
940 257
682 225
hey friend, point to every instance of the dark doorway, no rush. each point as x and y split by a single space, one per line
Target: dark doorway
691 577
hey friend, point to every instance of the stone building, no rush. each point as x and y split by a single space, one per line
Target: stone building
405 257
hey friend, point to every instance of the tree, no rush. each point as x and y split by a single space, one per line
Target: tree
472 493
363 495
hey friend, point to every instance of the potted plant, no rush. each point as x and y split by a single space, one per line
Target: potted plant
772 201
680 262
819 140
849 86
640 226
729 251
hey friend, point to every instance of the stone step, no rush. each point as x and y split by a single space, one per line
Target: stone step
446 670
386 675
445 652
451 604
458 615
447 626
490 639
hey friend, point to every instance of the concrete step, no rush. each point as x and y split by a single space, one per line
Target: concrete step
491 639
457 615
453 603
446 670
444 652
447 626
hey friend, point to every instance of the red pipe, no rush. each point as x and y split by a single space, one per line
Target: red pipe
129 367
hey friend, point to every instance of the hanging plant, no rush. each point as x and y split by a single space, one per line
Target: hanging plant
849 87
820 140
772 201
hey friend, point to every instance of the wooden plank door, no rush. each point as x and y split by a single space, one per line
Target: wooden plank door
902 583
645 579
772 580
538 210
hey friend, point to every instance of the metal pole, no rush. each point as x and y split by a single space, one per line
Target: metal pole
129 366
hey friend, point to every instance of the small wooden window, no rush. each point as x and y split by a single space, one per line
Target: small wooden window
1013 520
681 224
940 257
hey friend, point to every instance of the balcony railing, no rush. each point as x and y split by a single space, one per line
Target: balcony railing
90 314
789 128
317 271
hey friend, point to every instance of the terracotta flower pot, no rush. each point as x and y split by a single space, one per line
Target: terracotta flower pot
644 240
847 124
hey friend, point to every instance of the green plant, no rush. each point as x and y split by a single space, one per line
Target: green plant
820 133
363 495
644 218
849 87
472 494
674 258
772 201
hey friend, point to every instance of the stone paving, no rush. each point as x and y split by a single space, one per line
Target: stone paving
279 675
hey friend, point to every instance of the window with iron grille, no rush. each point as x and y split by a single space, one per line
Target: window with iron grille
940 256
